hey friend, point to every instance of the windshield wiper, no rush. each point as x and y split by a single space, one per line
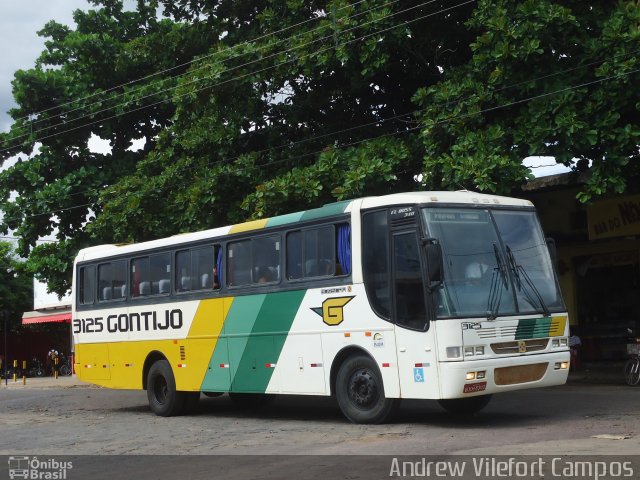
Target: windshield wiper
518 273
498 282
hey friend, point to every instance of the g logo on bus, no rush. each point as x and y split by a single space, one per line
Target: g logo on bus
332 310
522 346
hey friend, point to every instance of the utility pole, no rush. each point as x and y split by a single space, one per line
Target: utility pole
5 317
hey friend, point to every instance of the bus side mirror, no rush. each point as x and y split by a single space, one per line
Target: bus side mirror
435 266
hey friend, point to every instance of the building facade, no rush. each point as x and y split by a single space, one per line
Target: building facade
598 261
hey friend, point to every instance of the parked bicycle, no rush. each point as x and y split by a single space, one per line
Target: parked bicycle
36 368
64 366
632 367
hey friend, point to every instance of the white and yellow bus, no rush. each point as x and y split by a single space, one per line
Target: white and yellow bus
429 295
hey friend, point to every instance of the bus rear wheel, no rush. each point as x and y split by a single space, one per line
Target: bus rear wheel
465 406
164 399
360 391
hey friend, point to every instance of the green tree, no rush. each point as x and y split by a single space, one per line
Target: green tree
67 98
255 112
544 78
16 288
250 109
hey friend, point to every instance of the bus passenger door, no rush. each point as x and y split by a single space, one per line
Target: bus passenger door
415 340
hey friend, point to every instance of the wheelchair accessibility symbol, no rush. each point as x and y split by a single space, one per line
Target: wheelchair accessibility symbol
418 375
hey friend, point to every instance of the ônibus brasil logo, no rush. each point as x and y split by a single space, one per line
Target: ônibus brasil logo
32 468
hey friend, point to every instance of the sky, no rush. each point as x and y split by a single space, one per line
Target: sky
20 21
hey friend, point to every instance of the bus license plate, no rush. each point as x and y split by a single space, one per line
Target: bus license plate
474 387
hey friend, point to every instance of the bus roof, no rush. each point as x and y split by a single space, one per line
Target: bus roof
332 209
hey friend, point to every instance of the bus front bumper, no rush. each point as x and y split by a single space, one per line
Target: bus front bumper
495 375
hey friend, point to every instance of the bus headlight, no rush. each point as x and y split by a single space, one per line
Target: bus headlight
474 351
453 352
476 375
561 365
559 342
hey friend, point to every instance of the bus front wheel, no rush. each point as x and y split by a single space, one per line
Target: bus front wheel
164 399
465 406
360 391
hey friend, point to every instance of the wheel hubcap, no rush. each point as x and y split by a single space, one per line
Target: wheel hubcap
363 388
160 389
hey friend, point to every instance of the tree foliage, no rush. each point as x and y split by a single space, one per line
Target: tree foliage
16 288
249 109
544 78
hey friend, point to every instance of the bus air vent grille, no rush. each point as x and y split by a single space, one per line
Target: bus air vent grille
401 222
523 346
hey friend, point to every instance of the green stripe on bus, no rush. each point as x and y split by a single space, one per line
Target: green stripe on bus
284 219
251 341
265 344
533 328
326 211
232 342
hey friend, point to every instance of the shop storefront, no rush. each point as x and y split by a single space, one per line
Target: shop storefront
598 262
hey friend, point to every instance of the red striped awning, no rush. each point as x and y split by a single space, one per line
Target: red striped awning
50 318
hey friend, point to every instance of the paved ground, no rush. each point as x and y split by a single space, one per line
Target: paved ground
61 416
307 437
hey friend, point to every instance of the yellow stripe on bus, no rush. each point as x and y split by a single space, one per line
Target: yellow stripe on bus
248 226
558 325
120 364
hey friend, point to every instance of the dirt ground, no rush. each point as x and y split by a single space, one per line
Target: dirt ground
72 418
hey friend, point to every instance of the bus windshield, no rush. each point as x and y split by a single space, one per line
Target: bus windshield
496 262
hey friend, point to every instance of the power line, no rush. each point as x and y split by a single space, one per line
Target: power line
175 97
377 122
252 73
42 240
446 120
182 85
140 79
383 120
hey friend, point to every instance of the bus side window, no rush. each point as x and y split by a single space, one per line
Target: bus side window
375 261
266 259
86 285
294 255
202 268
311 253
183 271
217 268
410 306
119 272
239 263
160 273
112 280
140 284
343 247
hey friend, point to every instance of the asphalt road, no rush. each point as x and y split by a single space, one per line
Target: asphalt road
570 420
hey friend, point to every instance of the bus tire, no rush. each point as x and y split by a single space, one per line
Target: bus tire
360 391
465 406
164 399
